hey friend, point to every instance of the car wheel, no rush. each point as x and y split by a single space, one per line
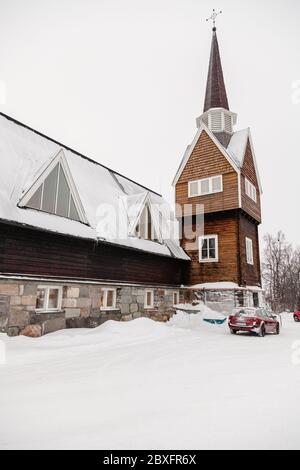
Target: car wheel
262 331
296 318
277 329
233 332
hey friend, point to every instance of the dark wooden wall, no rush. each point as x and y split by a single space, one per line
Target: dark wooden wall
250 274
231 227
28 251
225 225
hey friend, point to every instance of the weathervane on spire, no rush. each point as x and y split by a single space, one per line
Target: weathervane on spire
213 18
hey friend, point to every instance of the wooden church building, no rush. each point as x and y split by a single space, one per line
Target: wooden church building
218 176
81 243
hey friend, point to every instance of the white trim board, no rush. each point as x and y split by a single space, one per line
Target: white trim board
191 147
147 202
224 152
59 157
255 162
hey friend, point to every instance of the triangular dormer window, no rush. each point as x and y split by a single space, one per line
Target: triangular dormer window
54 191
146 226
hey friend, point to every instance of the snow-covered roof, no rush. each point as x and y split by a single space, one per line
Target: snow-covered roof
104 194
237 146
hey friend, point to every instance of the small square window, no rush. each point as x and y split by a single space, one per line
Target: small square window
255 299
109 299
193 188
204 249
40 299
175 298
208 248
149 299
250 190
240 298
53 298
49 298
204 184
216 184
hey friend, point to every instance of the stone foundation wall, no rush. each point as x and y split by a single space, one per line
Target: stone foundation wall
224 301
80 306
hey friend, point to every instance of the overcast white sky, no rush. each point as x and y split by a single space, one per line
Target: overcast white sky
122 81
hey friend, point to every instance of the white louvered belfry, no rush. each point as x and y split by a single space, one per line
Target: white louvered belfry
218 120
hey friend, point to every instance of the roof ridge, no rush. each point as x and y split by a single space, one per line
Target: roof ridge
19 123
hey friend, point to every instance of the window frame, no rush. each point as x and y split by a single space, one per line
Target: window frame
60 159
255 299
210 191
175 292
250 190
146 306
208 237
249 254
60 172
46 299
149 223
105 291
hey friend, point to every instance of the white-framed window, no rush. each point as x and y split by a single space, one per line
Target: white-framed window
175 297
49 298
55 192
145 227
205 186
208 249
250 190
109 299
149 299
249 250
255 299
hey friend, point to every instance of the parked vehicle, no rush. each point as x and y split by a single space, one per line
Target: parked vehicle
254 320
297 316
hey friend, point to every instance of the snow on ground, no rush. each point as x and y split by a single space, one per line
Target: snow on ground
182 385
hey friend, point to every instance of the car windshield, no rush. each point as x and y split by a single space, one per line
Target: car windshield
245 312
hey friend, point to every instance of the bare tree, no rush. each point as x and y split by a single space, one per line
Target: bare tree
281 273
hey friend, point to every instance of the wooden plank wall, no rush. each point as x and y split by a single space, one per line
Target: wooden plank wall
225 225
27 251
250 274
248 170
207 160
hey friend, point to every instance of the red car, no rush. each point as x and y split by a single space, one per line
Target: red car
297 316
253 320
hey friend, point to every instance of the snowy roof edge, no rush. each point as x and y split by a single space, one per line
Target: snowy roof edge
19 123
184 256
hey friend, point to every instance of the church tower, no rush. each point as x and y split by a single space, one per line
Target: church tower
219 172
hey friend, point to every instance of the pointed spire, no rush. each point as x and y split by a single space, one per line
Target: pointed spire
215 96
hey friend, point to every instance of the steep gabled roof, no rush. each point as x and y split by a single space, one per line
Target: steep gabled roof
25 154
234 153
130 182
191 147
237 146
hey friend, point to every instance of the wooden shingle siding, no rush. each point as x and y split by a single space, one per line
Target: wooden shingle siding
248 171
26 251
207 160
